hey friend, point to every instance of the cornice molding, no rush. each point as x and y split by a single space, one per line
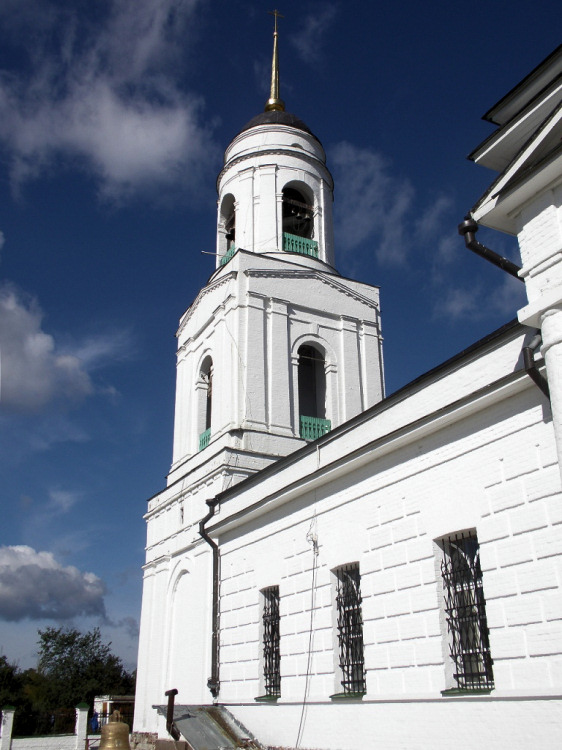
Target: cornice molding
206 289
312 274
313 160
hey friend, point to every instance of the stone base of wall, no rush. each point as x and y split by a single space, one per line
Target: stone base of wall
150 741
56 742
143 740
511 723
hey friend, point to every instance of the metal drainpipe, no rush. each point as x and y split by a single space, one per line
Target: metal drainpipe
170 726
213 683
468 229
530 367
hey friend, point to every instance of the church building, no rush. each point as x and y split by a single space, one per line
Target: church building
329 567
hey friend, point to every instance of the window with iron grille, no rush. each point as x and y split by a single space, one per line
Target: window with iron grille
350 629
271 639
465 610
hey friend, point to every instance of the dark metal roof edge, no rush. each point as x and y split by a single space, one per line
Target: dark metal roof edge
372 411
472 155
528 143
488 116
521 176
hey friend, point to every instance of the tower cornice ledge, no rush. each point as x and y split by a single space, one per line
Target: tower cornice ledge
303 156
218 282
298 273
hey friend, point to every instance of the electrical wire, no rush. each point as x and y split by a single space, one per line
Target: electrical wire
312 538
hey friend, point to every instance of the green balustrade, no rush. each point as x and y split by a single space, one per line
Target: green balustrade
314 427
228 255
204 439
294 244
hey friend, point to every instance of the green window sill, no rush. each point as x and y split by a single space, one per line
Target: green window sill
347 696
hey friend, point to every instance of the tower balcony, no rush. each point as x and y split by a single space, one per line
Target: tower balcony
204 439
294 244
228 255
312 428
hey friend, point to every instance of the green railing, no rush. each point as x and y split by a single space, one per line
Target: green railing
294 244
228 255
314 427
204 439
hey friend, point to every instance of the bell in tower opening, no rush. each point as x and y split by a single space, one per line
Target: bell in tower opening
297 214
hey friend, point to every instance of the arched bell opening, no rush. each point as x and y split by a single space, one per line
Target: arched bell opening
298 221
298 213
312 392
205 402
227 233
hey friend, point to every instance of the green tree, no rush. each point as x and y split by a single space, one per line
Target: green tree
11 684
76 666
14 691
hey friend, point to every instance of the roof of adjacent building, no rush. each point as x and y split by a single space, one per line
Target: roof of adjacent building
526 90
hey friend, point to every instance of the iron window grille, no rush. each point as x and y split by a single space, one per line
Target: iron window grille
465 609
271 641
350 629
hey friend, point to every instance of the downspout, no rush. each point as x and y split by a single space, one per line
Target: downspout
468 229
213 683
171 728
530 367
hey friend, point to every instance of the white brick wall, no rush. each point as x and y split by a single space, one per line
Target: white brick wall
486 472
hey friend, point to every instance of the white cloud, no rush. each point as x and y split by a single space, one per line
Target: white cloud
96 351
33 585
508 296
430 222
105 97
308 40
34 369
478 301
373 206
62 501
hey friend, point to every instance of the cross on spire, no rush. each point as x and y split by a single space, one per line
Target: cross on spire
277 15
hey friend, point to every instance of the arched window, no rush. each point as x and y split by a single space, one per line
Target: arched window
298 214
228 221
205 402
312 393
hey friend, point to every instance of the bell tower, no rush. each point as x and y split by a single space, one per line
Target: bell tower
278 348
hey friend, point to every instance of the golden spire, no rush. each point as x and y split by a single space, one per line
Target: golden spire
274 102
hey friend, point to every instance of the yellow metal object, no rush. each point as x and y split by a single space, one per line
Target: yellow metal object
115 734
274 103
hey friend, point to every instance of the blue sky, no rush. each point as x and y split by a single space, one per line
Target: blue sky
114 116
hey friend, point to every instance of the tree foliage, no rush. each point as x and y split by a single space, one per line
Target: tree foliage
73 667
11 683
77 666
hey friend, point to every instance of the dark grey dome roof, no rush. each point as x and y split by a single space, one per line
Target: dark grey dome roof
277 117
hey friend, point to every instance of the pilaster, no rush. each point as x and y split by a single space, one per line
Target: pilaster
7 725
350 383
551 328
280 369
